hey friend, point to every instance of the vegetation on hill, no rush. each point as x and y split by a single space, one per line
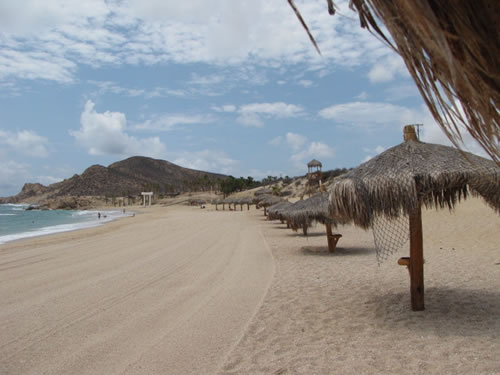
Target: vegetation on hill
128 178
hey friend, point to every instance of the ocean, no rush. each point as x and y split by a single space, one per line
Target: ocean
16 222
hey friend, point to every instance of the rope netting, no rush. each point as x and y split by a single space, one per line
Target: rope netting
390 235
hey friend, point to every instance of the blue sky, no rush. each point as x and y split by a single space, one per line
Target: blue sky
225 86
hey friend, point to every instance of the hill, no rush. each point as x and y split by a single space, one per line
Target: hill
124 178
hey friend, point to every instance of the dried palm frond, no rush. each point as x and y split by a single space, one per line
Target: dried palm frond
451 50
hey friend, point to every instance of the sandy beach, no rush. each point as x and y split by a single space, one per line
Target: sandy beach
180 290
169 291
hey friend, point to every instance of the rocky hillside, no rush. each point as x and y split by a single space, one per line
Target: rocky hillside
124 178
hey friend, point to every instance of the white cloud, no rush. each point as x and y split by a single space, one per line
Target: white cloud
105 134
48 40
388 69
431 132
252 114
296 141
305 83
25 142
208 161
167 122
208 80
372 152
315 150
278 109
225 108
366 114
12 177
362 96
108 86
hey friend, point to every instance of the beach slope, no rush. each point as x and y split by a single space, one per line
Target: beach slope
168 291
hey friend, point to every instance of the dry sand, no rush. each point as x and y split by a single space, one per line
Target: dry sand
180 290
169 291
342 314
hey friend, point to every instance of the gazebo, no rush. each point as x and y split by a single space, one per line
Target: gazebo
400 180
313 176
314 170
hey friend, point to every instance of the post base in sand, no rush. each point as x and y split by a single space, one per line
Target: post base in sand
332 241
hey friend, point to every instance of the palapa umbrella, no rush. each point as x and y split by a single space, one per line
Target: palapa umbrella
291 218
216 202
275 212
398 181
304 212
268 201
230 201
246 200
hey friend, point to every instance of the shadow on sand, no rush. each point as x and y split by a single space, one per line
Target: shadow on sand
448 312
300 234
339 251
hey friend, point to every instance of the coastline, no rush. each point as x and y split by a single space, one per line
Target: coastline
89 219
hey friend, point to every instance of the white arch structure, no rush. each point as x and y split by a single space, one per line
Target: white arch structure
144 195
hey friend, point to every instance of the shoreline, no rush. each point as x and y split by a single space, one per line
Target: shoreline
108 216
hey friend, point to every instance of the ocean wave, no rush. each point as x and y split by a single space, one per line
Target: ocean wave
7 214
47 230
106 217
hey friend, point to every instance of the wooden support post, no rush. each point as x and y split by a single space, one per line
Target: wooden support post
265 211
416 261
329 234
331 238
304 229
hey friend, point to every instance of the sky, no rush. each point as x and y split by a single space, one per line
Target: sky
227 86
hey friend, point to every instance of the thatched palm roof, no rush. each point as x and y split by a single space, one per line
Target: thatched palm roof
228 201
401 178
269 200
275 212
451 49
246 200
314 163
315 208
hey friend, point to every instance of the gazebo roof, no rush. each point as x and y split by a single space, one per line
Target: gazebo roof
314 163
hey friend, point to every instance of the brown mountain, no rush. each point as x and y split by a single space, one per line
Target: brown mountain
126 177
